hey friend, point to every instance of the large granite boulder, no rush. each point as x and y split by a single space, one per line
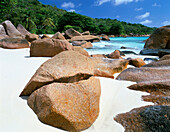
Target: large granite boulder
48 47
58 35
69 106
160 39
65 67
22 30
11 30
90 38
14 43
71 33
144 74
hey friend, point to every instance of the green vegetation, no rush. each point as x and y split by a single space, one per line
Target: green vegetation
39 18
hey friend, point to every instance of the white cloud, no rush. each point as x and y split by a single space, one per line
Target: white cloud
146 22
100 2
119 2
143 16
68 5
156 5
71 10
138 9
116 2
166 23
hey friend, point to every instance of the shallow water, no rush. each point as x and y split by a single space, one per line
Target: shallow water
135 44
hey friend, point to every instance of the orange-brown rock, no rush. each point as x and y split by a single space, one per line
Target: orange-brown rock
48 47
144 74
67 66
14 43
71 33
31 37
115 55
101 73
10 29
69 106
159 39
109 67
81 50
45 36
22 30
90 38
58 35
137 62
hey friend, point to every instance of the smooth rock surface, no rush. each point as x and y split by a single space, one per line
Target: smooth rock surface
69 106
68 66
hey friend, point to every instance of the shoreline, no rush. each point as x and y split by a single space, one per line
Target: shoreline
17 68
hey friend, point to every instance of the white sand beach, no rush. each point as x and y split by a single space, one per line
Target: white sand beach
16 69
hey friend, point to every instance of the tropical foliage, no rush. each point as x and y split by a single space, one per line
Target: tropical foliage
39 18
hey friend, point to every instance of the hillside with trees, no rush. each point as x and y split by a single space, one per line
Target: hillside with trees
46 19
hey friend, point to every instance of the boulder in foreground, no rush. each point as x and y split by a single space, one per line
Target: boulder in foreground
65 67
69 106
48 47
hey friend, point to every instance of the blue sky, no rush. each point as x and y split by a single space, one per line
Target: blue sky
152 13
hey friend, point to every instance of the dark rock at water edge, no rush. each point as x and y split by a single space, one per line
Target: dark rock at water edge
129 52
146 119
154 52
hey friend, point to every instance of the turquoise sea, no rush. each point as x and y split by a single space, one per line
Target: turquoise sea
135 44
